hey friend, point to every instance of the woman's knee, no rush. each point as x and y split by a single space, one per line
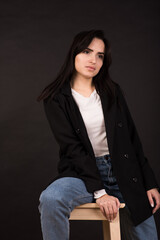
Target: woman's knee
65 192
57 193
52 196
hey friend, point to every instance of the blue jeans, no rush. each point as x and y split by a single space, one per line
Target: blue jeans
64 194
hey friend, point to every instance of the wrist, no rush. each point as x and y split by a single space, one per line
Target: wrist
99 193
98 200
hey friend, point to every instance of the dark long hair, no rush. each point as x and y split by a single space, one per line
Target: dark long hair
101 81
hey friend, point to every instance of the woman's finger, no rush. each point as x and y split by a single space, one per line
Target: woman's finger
157 204
150 199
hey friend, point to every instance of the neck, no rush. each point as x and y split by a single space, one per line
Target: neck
79 82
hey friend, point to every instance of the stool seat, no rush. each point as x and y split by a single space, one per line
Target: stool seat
91 211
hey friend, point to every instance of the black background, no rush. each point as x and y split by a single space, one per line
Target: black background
34 39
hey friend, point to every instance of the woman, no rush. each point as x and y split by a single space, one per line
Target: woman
101 156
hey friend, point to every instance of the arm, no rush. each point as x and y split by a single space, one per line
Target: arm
73 155
150 182
148 175
99 193
72 151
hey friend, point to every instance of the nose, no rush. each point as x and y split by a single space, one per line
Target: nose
93 59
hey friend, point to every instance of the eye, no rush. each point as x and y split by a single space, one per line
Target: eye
85 51
101 56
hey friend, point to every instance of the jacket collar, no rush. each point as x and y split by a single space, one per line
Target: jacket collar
109 116
66 90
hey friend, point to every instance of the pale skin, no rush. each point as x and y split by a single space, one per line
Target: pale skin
91 57
82 83
109 205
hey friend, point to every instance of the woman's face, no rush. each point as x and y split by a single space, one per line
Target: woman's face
90 60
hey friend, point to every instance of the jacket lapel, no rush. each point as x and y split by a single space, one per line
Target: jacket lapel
78 123
109 119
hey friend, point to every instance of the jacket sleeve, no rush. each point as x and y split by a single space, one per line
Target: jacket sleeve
62 129
148 175
74 158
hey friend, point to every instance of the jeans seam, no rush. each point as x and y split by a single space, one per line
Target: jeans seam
82 196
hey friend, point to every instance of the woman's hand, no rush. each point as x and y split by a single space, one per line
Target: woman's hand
109 206
154 194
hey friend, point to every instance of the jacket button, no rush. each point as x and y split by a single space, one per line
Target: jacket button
78 130
120 124
135 179
126 155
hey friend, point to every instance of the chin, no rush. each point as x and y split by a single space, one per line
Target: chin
89 75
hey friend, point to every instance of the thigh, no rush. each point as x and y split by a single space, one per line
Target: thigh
67 190
108 178
145 230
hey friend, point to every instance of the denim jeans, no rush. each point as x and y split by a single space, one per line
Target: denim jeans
64 194
144 231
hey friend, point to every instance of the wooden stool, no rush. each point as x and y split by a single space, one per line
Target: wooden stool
91 211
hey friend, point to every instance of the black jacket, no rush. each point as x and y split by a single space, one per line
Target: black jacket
130 166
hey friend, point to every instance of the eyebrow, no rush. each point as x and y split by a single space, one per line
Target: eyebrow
92 51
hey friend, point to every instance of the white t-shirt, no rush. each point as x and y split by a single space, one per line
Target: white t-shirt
92 114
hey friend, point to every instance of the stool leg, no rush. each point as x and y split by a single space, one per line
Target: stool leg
106 230
115 229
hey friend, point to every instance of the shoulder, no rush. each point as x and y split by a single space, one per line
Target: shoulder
55 103
53 98
119 91
121 97
117 87
51 103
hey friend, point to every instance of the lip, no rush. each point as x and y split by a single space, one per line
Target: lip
91 68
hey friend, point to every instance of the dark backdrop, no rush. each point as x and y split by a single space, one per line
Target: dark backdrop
34 39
